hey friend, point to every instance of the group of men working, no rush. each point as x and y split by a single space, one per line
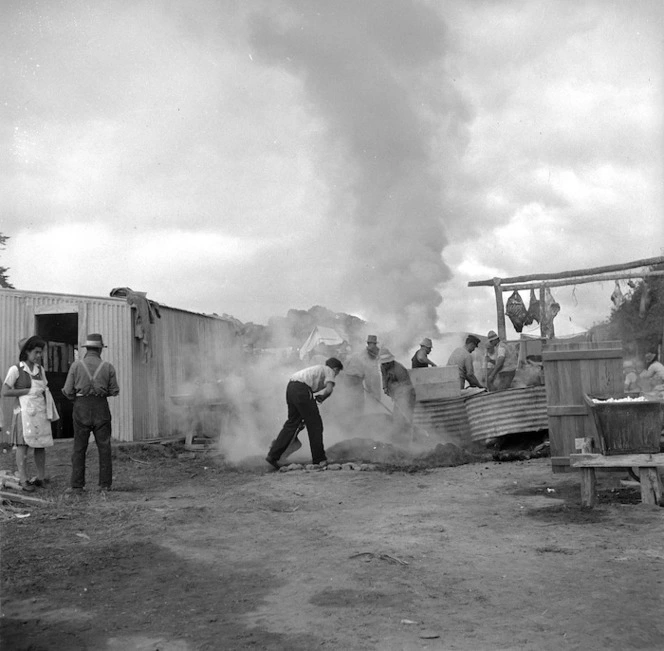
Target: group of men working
365 373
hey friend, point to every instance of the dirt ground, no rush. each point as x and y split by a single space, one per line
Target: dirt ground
187 554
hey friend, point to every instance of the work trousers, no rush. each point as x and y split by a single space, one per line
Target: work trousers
301 407
403 400
91 414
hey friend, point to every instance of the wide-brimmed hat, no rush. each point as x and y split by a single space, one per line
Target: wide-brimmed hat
372 339
94 340
492 336
386 356
426 342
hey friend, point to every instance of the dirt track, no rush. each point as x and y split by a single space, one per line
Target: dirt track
189 555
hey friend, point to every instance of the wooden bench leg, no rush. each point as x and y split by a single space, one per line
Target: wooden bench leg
651 487
588 491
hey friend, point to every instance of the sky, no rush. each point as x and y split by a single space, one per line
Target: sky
372 157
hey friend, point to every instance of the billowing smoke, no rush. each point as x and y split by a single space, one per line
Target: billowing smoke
367 70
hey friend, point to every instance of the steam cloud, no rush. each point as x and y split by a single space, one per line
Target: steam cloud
361 64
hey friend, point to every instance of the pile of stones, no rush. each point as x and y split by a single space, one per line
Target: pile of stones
309 467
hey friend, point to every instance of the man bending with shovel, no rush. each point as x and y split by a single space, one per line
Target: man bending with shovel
306 389
398 386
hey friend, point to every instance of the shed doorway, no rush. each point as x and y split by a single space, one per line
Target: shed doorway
60 332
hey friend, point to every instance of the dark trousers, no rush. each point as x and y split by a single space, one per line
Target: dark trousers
92 414
301 407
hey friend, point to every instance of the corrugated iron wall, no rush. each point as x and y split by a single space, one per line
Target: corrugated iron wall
492 415
111 317
187 349
446 419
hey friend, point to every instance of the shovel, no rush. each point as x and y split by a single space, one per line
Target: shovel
294 444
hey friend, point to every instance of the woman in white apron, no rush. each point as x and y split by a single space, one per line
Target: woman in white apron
33 412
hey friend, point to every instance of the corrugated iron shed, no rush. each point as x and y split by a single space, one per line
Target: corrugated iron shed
184 347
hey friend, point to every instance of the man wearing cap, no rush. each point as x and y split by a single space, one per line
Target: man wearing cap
398 385
421 357
362 375
496 354
89 383
463 358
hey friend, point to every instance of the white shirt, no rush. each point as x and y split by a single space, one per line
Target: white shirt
315 377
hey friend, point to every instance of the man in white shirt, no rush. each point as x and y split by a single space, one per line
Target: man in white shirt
305 390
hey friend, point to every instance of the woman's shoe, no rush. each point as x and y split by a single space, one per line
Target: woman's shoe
26 487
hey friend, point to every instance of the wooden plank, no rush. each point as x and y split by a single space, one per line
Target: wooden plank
21 497
560 461
651 487
596 353
617 461
567 410
580 281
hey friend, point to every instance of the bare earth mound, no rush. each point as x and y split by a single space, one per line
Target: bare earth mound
189 553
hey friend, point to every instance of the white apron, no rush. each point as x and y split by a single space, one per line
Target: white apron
37 412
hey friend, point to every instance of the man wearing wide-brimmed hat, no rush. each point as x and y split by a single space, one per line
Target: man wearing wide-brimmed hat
496 354
398 385
89 383
361 376
421 357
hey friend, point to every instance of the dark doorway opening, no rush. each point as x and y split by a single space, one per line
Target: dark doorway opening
60 332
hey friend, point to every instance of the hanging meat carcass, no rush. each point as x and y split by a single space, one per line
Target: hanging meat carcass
516 311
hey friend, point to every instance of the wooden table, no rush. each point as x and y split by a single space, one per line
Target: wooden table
651 486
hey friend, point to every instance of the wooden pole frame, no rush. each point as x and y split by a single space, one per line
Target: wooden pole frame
593 271
561 279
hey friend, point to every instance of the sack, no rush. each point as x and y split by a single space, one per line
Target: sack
516 311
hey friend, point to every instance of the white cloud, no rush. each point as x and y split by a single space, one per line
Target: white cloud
217 182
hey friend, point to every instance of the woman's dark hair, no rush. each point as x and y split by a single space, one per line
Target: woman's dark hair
29 345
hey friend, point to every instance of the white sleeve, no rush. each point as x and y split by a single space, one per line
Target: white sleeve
12 376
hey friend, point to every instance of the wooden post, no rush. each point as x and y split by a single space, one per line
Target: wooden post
588 487
500 309
588 479
651 488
